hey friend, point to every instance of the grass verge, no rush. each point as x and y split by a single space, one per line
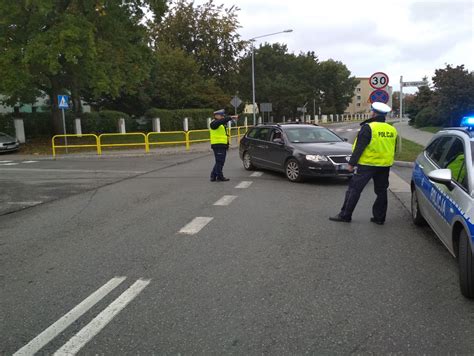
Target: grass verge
410 150
432 129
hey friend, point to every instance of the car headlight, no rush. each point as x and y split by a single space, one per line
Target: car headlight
316 158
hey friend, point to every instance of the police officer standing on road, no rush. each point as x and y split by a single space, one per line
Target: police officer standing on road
220 143
373 154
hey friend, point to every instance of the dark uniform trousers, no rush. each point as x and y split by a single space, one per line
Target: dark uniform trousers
220 153
358 182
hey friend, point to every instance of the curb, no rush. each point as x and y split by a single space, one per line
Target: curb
404 164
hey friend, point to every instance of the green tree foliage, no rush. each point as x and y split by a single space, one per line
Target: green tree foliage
289 81
454 87
85 47
206 32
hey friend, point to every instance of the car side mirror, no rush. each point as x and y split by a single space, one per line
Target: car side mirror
345 139
279 141
442 176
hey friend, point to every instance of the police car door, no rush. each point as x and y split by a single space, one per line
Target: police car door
433 195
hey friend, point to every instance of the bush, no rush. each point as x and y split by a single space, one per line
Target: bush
428 117
36 124
106 121
6 125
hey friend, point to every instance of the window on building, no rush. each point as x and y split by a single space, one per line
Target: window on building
358 104
358 90
358 97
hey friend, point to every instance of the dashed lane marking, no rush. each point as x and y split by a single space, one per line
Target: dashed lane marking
79 340
195 225
349 130
256 174
225 200
5 161
29 203
29 161
9 164
244 184
59 326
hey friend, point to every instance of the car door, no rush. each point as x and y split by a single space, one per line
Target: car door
260 147
277 150
432 195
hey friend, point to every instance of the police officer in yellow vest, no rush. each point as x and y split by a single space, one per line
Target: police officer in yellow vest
372 154
220 143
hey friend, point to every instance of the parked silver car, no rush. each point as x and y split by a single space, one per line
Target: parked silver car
442 188
8 143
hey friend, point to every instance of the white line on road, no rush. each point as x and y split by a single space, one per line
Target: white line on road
5 161
8 164
244 184
66 170
31 203
59 326
29 162
79 340
397 184
225 200
195 225
256 174
349 130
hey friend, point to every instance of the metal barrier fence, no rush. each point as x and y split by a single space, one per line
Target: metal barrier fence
146 140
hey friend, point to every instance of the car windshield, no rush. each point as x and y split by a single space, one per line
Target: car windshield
311 135
4 136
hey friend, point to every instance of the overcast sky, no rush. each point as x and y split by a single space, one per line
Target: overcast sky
400 37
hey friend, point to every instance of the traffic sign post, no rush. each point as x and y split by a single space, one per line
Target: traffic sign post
235 102
63 103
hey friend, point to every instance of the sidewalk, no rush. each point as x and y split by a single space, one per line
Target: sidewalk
413 134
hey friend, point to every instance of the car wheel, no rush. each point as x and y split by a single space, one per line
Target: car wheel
466 266
247 162
293 171
416 216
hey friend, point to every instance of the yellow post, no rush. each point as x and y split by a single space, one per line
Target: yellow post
54 148
186 136
238 134
147 144
97 142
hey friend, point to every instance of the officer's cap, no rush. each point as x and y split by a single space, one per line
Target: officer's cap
380 108
219 112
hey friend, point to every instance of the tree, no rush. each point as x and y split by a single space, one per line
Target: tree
206 32
85 47
454 88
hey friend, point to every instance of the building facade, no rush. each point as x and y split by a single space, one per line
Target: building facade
360 103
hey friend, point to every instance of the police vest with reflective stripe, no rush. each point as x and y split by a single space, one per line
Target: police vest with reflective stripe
380 151
219 136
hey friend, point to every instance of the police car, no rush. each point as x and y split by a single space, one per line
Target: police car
442 189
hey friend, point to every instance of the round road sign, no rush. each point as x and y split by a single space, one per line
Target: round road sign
378 80
379 95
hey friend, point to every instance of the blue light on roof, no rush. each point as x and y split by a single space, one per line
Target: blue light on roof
467 121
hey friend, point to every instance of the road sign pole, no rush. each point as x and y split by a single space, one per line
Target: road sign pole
64 128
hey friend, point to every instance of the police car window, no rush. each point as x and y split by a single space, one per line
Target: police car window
454 160
276 134
439 150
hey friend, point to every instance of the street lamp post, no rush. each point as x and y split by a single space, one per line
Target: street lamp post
253 67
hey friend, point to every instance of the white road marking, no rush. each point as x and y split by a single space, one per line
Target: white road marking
59 326
30 203
79 340
29 162
397 184
195 225
349 130
8 164
256 174
244 184
338 130
225 200
5 161
67 170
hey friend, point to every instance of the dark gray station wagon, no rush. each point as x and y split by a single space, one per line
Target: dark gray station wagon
298 150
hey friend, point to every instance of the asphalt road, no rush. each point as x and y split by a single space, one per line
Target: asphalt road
111 270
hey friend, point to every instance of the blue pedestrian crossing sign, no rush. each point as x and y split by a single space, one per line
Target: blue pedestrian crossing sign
63 101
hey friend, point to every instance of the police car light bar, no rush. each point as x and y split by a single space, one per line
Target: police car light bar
468 121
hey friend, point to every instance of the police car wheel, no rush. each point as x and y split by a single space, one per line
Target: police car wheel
416 216
466 266
247 162
292 170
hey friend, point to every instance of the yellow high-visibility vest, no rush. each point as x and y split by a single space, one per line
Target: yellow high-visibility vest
380 152
219 136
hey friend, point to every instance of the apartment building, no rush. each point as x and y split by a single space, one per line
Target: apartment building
360 103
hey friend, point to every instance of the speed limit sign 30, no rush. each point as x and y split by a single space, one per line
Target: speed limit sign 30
378 80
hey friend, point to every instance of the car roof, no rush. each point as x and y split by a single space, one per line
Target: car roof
457 130
288 124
